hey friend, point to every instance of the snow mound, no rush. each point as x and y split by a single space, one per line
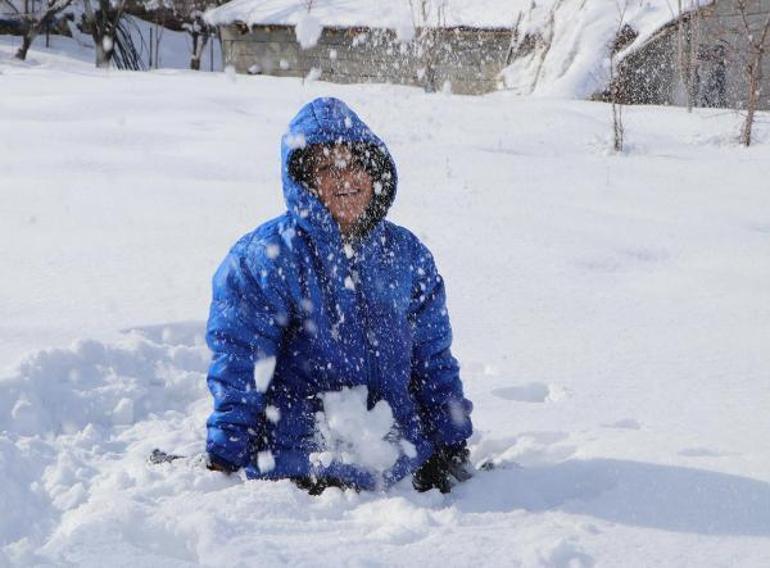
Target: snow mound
352 434
76 425
61 391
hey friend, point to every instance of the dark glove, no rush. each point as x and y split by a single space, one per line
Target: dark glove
317 486
447 467
215 463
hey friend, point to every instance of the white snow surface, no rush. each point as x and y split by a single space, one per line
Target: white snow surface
373 13
611 314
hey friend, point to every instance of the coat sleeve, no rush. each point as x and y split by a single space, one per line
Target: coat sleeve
246 322
436 384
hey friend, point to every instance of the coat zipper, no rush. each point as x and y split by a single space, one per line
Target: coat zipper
371 377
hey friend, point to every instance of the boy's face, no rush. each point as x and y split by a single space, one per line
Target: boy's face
342 184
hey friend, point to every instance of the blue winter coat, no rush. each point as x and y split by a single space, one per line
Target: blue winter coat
328 316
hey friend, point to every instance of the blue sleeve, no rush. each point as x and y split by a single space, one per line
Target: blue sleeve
436 384
244 331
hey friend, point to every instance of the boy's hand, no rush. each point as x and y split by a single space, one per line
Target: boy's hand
445 469
217 464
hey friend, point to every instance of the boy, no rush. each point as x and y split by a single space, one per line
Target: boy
331 295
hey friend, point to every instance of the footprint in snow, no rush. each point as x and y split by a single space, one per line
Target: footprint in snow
531 392
763 228
703 452
523 450
181 333
623 259
566 554
624 424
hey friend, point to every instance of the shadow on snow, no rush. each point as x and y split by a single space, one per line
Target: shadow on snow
632 493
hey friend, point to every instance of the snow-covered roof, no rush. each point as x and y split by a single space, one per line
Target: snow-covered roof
393 14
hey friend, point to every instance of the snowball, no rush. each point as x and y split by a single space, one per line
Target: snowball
295 141
324 458
21 407
405 32
265 461
308 30
273 413
25 416
457 413
123 413
255 69
408 448
313 75
263 373
310 326
272 250
352 434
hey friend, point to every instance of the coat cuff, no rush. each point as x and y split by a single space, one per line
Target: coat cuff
214 459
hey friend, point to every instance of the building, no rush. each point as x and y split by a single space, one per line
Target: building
551 47
701 56
463 49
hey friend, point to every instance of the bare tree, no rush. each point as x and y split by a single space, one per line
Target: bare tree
181 16
200 33
103 26
38 22
190 15
515 39
688 35
9 4
427 42
756 43
616 98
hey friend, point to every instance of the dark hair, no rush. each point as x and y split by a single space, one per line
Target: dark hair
378 165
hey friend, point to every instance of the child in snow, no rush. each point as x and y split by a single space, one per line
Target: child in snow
331 295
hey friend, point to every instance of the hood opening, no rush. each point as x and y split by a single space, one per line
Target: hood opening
378 165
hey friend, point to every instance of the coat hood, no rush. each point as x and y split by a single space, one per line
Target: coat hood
323 121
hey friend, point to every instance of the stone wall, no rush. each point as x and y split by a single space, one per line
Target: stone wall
469 59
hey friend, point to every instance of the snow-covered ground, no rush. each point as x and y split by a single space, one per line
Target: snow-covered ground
611 314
